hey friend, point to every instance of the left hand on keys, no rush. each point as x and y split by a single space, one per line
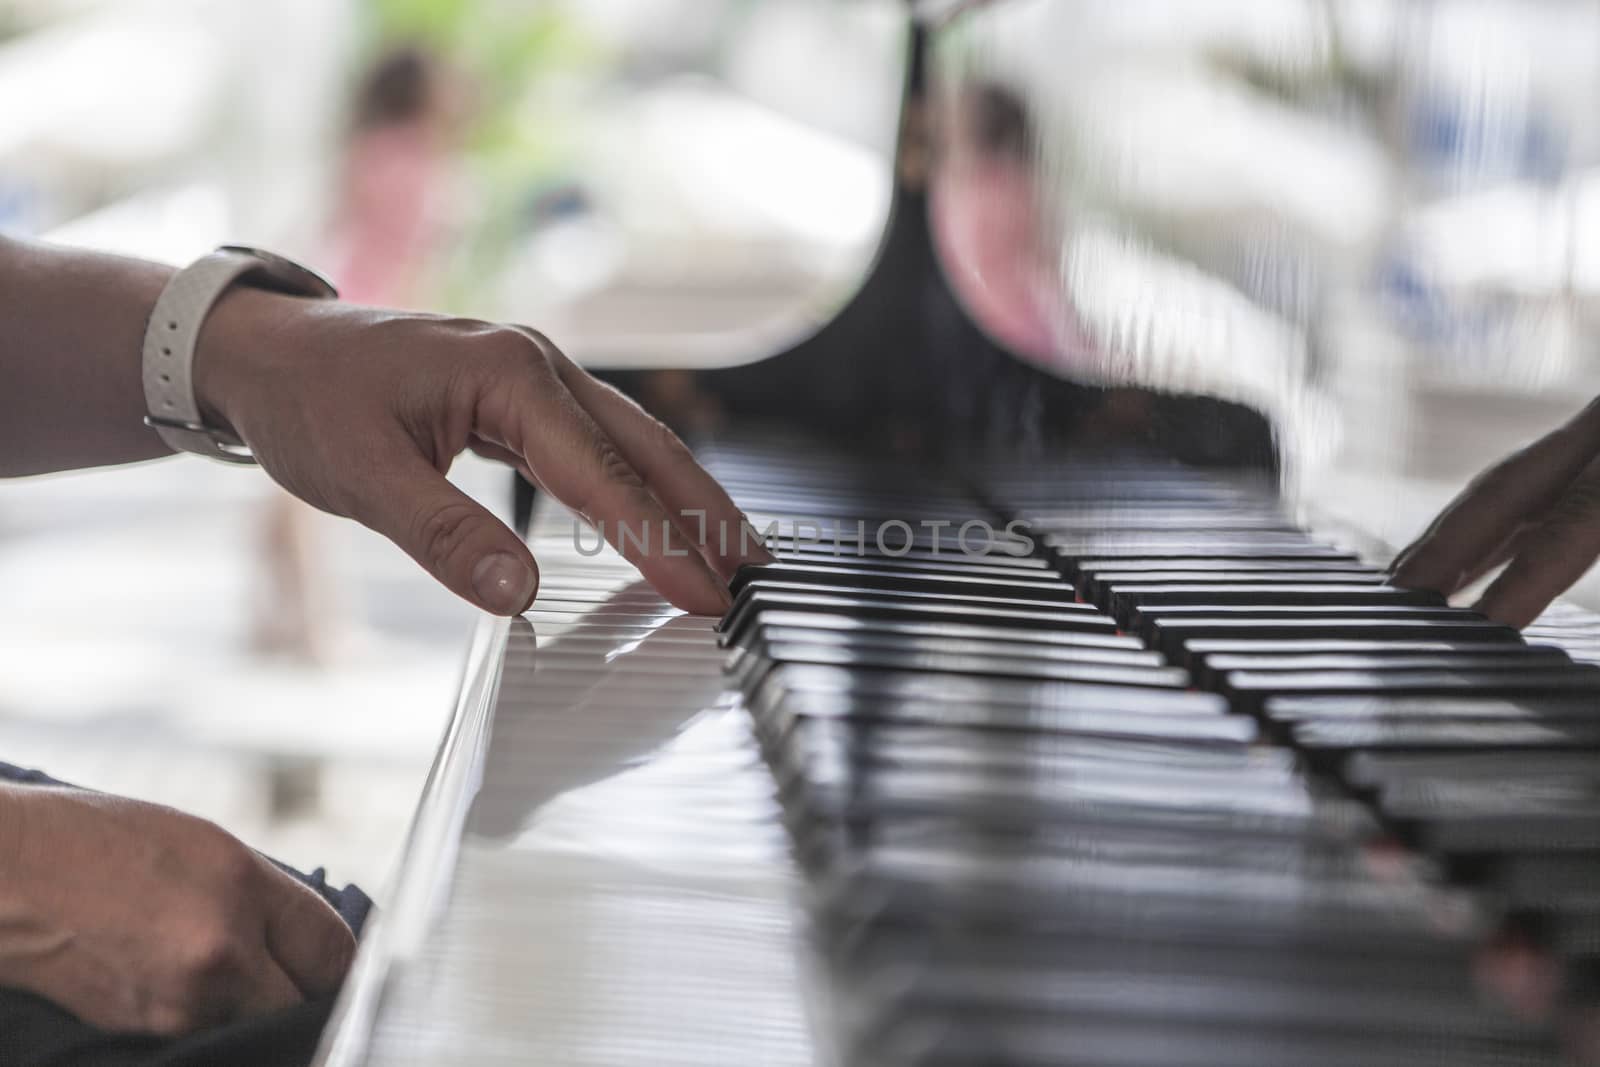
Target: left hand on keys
1537 511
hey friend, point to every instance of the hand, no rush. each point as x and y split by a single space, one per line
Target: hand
361 411
1537 511
135 917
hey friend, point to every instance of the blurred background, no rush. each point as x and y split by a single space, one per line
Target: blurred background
1377 221
672 180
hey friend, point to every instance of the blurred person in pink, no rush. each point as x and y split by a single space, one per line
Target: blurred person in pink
391 212
994 231
389 225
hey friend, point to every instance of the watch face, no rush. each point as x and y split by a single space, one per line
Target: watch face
284 275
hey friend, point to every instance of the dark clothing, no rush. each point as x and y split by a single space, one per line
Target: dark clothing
36 1033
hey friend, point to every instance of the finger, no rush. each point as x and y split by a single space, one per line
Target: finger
535 415
307 938
1501 555
271 989
472 553
708 516
1486 513
1550 559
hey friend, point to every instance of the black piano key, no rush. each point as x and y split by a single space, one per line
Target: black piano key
1001 636
938 1038
845 538
1371 770
929 555
1012 570
908 594
1175 634
845 757
792 693
863 575
1003 568
1328 741
1056 896
831 749
865 659
1232 556
1191 542
1198 804
1200 993
1232 731
1148 622
1100 519
1437 969
890 947
763 634
1095 585
817 747
1214 667
1552 881
985 692
1157 566
1130 602
1059 617
1335 852
1204 648
1461 706
1247 690
1574 934
1474 818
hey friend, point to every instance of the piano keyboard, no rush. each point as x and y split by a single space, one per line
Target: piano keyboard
1180 786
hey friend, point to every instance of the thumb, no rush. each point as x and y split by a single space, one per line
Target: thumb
472 553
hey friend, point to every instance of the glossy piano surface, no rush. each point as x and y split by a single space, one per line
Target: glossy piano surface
598 875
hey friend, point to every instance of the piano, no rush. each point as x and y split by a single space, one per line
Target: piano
1097 749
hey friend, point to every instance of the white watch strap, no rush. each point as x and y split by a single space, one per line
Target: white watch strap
174 329
169 343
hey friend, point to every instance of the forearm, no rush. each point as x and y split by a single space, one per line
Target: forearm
71 329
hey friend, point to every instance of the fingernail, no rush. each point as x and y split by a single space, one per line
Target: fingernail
503 584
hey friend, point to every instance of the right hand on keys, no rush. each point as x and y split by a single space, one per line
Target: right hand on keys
136 917
1537 511
360 411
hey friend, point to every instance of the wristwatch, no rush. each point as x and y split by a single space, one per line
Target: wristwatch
174 327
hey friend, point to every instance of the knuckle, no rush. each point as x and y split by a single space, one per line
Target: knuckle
476 342
510 347
463 327
615 468
441 531
237 868
540 338
209 953
227 859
